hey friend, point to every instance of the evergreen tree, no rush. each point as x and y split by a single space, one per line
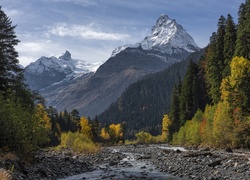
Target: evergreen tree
10 72
174 113
243 31
220 44
95 129
215 61
229 44
188 98
212 69
219 59
202 91
66 120
75 120
15 130
124 130
55 127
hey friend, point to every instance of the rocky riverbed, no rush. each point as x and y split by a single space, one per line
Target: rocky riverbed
199 163
135 162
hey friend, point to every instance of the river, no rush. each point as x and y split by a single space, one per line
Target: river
132 166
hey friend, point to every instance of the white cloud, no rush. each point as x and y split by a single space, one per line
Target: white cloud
80 2
85 32
30 51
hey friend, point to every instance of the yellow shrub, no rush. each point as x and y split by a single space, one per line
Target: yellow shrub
78 142
222 125
144 137
206 128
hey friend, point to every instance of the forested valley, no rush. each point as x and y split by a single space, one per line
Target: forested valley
144 102
210 104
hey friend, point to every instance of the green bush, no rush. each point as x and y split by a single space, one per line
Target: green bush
14 127
146 138
190 132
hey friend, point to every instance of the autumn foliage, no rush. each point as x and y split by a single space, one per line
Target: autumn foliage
225 71
225 123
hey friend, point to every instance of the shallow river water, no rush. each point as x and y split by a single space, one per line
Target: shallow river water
130 167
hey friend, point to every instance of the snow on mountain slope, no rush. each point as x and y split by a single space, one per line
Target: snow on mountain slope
62 64
166 36
47 71
119 49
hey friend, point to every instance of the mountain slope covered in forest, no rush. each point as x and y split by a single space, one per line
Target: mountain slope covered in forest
144 103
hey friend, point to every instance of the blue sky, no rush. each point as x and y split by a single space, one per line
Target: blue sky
91 29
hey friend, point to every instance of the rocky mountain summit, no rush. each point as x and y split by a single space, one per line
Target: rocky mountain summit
47 71
93 93
167 36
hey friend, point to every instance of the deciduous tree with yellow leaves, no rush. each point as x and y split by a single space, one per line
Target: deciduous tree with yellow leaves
41 126
166 122
85 127
115 133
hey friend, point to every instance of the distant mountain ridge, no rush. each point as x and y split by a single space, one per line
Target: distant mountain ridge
48 70
93 93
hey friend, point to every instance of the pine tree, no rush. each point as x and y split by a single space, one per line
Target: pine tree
174 113
10 72
229 44
55 127
243 31
95 129
215 61
188 98
220 43
202 91
75 120
211 68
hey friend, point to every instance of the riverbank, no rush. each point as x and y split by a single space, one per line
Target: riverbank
135 162
203 163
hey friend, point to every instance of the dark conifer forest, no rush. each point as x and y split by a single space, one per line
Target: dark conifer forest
144 103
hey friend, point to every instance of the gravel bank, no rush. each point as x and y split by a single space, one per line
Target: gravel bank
198 164
135 162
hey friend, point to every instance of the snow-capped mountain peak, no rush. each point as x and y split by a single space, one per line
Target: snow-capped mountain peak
66 56
166 36
49 71
169 37
63 64
163 22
